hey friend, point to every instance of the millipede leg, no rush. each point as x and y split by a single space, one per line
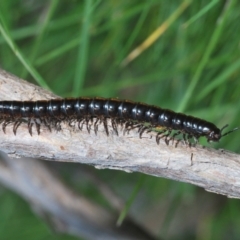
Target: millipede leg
114 126
148 131
166 137
88 126
46 123
38 125
58 125
5 123
80 123
161 135
184 139
126 127
96 126
30 124
71 123
105 126
158 137
121 122
195 138
55 123
188 140
130 126
177 142
142 130
138 125
174 135
16 125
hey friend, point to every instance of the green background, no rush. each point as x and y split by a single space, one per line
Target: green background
76 48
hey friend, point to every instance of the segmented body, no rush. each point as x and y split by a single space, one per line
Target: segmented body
95 110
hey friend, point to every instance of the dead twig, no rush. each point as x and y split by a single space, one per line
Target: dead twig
63 209
215 170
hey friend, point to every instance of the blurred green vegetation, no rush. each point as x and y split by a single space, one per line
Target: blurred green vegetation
76 48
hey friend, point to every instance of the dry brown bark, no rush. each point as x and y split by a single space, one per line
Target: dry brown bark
65 210
215 170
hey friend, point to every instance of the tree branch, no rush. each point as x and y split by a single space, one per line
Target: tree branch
215 170
63 209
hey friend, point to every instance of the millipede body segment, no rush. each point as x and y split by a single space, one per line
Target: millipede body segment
92 111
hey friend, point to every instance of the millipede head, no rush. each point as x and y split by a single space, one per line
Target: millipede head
216 134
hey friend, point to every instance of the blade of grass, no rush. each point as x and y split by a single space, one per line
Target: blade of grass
20 56
127 15
135 31
42 31
212 43
156 34
64 22
57 52
29 31
64 48
130 201
200 13
219 80
129 82
32 30
83 50
7 209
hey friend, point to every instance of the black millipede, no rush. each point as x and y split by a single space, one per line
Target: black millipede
93 111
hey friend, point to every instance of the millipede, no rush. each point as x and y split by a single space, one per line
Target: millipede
94 111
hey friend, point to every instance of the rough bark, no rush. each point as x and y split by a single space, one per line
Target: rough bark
215 170
58 205
63 209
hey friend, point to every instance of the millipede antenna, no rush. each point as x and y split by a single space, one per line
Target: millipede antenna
225 134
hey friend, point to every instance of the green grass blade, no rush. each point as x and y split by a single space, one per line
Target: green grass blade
20 56
211 46
130 200
57 52
134 34
200 13
218 81
40 36
83 50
